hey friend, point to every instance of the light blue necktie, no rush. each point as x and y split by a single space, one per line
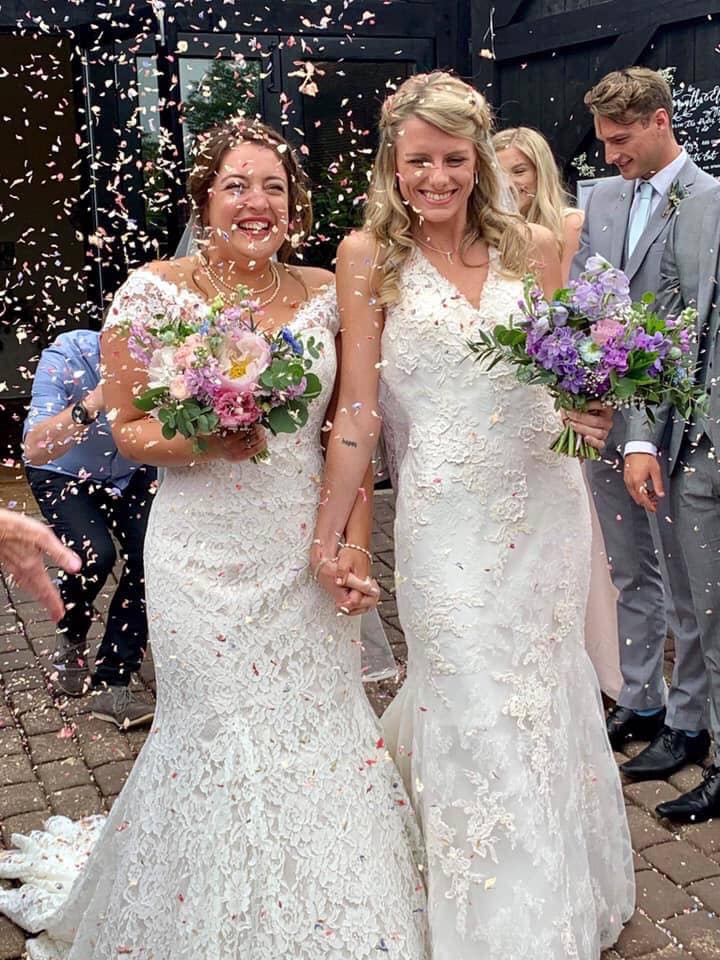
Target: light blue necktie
640 214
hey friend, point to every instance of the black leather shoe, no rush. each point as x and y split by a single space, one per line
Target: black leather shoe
669 752
624 724
698 805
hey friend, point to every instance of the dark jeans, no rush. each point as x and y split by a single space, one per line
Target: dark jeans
82 513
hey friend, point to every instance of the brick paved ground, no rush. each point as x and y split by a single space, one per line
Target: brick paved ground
56 759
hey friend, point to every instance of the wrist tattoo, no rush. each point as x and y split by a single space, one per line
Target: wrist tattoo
348 443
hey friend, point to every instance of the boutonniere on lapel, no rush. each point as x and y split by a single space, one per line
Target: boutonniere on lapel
676 195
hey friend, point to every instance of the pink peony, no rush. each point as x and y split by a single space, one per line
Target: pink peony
605 330
243 357
236 409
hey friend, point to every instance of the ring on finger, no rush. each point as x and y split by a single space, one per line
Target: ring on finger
643 488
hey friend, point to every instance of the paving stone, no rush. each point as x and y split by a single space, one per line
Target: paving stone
24 823
136 739
24 680
687 778
62 774
10 642
15 769
42 721
76 802
680 862
639 937
10 742
704 836
671 952
698 932
12 940
49 746
21 798
8 624
111 777
633 747
42 646
100 742
658 897
645 830
650 793
76 706
16 660
707 891
44 631
23 701
31 611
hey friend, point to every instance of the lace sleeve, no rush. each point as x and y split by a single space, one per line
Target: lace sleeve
321 310
141 297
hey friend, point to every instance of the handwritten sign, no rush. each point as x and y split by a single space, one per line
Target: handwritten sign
696 121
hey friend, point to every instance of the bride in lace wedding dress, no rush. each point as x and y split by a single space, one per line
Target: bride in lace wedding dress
263 818
498 730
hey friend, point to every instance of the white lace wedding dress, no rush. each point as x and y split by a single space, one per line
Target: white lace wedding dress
499 729
264 819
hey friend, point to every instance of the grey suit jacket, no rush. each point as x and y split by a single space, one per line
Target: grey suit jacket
689 277
606 223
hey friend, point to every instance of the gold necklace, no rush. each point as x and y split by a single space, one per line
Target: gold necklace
276 282
445 253
219 278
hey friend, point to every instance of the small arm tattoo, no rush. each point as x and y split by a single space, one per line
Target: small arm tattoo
348 443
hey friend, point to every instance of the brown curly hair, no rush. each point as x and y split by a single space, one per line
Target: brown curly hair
211 148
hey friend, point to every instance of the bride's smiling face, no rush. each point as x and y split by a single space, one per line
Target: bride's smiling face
248 203
435 171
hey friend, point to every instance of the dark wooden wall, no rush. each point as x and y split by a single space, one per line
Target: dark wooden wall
547 53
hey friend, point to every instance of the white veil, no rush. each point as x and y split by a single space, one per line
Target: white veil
378 662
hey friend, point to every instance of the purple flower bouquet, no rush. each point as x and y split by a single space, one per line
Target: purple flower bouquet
592 342
212 371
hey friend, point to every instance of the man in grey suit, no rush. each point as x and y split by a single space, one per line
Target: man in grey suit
689 276
627 221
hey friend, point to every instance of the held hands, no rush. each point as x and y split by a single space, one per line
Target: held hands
347 579
594 423
23 541
639 469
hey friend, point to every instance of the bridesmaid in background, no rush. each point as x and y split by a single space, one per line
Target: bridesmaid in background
528 163
527 160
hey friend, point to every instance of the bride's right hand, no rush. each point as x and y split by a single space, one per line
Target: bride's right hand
238 445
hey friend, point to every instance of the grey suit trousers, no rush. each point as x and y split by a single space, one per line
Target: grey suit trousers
643 550
695 496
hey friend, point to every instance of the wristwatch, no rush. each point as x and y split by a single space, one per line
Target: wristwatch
80 414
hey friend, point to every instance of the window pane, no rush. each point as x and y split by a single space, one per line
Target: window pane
213 90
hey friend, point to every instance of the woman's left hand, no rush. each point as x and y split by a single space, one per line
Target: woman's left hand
594 423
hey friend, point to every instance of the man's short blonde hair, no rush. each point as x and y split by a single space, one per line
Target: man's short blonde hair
634 93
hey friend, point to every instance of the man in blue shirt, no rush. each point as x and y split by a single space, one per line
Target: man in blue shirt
86 490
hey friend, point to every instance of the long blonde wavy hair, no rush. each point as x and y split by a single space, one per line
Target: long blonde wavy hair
457 109
551 201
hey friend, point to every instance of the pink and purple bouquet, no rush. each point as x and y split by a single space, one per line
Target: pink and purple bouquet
592 342
213 371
